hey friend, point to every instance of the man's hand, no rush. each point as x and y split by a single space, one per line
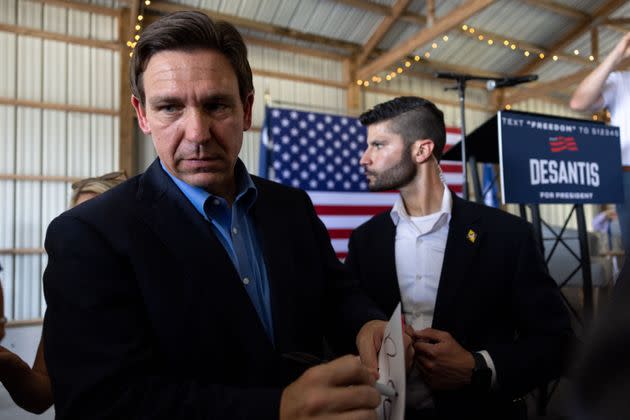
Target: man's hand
369 340
622 49
343 388
443 362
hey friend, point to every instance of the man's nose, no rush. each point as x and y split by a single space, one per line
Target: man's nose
197 126
365 159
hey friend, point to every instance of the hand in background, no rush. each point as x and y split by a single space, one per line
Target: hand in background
622 49
342 388
442 361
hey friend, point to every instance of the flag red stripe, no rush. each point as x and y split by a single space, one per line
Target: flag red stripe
341 255
339 233
323 210
451 167
456 188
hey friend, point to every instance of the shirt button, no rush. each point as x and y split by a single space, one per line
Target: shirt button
216 202
246 281
234 230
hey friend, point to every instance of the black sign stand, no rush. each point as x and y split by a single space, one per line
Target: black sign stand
482 145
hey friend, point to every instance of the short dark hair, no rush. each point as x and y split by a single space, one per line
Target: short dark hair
189 31
412 118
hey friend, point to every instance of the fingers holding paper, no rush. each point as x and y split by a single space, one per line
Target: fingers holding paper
343 387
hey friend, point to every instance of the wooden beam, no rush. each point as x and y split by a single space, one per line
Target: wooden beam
22 251
595 43
353 92
127 150
84 7
582 27
297 78
367 6
57 106
47 178
394 92
381 30
559 9
616 21
21 30
543 88
442 25
164 7
430 12
250 40
24 323
414 18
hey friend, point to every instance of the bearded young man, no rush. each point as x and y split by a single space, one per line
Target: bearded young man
489 323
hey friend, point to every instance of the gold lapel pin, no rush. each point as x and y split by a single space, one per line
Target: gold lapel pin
472 236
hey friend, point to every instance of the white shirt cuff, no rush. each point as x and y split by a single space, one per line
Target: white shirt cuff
490 364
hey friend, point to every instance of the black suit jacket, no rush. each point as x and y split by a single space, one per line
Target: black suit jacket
494 294
148 318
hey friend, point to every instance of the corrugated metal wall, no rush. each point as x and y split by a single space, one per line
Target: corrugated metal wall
41 142
44 142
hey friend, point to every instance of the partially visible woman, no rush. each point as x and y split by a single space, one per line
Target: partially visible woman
30 388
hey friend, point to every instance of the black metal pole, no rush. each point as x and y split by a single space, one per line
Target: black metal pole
461 88
585 256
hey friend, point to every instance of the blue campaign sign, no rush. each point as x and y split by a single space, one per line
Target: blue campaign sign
558 160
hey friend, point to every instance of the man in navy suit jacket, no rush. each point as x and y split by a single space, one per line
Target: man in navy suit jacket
189 291
488 320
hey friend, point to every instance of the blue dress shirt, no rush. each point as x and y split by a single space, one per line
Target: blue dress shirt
235 230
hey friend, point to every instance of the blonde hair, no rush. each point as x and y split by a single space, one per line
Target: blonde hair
97 185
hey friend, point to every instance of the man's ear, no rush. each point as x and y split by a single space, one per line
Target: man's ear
247 111
141 113
422 150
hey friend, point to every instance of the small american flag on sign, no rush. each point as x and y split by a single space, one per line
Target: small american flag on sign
320 154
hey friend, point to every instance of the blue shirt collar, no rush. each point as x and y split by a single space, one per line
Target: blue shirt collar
246 190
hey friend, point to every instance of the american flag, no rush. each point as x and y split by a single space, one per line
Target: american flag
320 154
561 143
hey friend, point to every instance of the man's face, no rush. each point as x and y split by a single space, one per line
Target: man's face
195 116
387 161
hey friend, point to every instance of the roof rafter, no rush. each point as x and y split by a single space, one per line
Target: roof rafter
559 9
543 88
397 9
579 30
444 24
165 7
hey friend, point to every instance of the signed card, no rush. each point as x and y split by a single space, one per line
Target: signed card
391 367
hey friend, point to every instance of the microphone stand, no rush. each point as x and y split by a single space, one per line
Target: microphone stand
461 80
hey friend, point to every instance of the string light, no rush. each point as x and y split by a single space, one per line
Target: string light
469 30
137 27
508 107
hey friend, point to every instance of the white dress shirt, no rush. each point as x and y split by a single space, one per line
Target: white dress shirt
419 249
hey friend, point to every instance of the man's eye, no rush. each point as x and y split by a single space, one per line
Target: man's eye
168 108
216 107
377 145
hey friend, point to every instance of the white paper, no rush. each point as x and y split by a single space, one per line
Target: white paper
391 368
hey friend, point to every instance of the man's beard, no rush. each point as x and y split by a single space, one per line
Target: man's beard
395 177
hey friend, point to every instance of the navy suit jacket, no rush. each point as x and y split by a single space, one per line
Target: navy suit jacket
148 318
494 294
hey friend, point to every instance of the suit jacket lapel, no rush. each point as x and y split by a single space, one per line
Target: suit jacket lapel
203 260
281 272
387 251
462 244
